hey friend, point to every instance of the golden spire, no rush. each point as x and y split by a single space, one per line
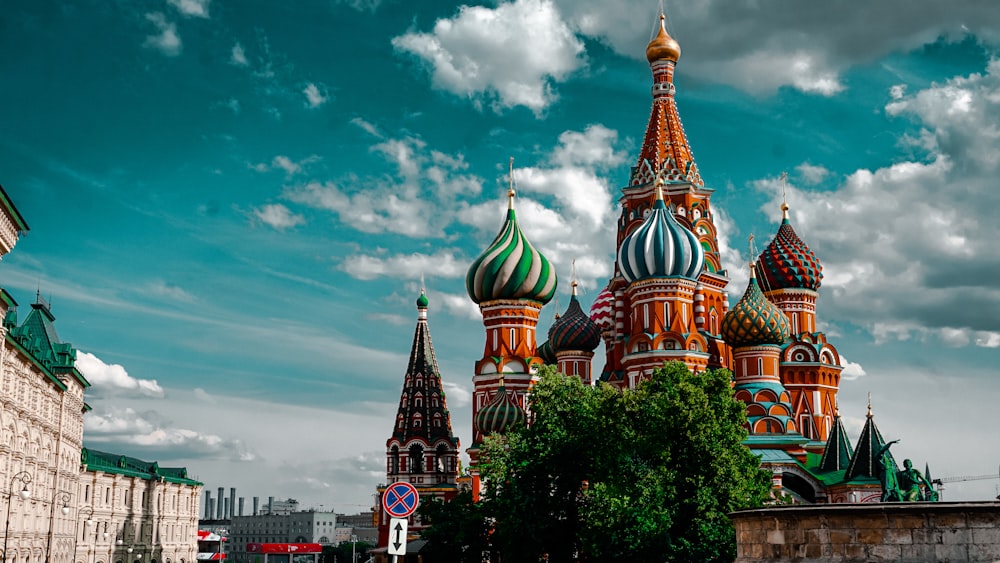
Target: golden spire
784 202
663 47
510 189
573 283
753 266
869 404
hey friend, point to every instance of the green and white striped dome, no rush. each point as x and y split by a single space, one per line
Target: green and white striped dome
510 268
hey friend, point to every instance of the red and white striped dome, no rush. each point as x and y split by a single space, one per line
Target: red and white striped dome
602 311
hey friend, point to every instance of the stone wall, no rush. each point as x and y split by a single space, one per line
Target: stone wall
902 532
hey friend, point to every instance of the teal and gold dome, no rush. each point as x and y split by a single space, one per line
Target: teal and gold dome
754 320
660 248
500 414
510 268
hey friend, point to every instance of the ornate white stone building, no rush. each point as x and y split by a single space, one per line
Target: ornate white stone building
63 504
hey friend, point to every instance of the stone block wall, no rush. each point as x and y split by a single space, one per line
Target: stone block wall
949 532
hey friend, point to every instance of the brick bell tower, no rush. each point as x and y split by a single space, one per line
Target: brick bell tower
422 450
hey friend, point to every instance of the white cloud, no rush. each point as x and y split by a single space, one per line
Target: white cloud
278 216
812 174
367 126
191 8
286 164
238 56
508 55
852 370
762 45
442 264
166 41
171 291
113 380
910 246
149 431
315 96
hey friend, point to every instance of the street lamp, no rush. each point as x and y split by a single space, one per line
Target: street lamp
25 478
89 511
59 496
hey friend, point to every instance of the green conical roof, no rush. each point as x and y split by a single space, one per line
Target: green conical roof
865 461
837 453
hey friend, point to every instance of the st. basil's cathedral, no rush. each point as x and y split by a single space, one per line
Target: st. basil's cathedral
666 301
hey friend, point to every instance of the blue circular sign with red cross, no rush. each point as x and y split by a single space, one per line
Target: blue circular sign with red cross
400 500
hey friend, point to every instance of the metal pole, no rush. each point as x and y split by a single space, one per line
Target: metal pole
23 477
59 495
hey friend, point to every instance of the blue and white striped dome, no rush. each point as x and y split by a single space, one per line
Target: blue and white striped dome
660 248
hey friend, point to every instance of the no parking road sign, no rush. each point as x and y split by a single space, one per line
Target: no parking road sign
400 500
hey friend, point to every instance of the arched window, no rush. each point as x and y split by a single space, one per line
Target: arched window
416 458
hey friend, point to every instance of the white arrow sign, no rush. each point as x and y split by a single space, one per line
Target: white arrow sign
397 536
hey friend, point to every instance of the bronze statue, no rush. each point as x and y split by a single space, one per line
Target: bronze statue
905 485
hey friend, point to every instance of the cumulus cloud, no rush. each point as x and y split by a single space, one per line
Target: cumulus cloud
238 56
278 216
812 174
112 380
150 432
852 370
408 202
441 264
191 8
759 46
166 40
506 56
315 96
911 245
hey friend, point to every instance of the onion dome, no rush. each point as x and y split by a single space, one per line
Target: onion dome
574 330
510 268
603 308
660 248
500 414
422 300
663 47
787 263
546 353
754 320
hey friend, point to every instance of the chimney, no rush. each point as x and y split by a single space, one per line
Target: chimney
240 513
232 501
270 505
219 514
228 509
208 504
256 505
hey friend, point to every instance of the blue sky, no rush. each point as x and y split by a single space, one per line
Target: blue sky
232 203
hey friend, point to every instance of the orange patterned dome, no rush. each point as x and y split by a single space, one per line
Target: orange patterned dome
663 47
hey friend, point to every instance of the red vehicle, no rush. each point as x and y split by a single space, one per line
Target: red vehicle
285 552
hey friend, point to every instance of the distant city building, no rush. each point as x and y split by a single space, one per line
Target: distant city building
135 510
422 449
359 520
295 527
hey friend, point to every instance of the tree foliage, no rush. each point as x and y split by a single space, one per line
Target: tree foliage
606 475
459 531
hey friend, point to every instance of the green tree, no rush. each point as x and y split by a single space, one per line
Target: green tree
459 530
607 475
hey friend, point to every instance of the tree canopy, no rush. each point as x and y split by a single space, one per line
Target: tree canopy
602 474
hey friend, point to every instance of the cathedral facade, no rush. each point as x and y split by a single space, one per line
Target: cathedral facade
667 301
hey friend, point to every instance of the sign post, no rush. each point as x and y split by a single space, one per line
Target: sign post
399 501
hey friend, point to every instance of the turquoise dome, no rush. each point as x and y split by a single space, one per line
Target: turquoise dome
660 248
